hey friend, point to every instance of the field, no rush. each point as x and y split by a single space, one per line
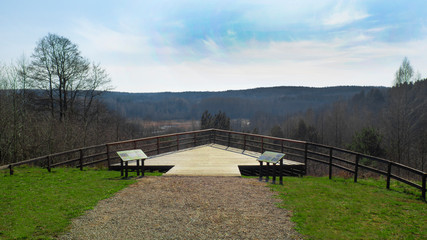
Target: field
167 125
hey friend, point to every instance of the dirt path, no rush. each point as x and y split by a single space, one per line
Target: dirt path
187 208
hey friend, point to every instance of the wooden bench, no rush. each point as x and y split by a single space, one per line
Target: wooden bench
274 158
132 155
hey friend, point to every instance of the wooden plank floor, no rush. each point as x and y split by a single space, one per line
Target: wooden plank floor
207 160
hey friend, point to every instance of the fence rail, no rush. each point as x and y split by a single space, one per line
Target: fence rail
331 157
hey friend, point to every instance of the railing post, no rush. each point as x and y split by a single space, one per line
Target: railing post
49 160
388 174
356 168
214 136
330 163
423 190
282 147
244 142
108 156
194 140
158 145
81 159
262 145
177 142
305 154
10 169
134 144
229 138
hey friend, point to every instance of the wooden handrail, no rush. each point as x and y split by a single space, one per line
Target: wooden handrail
331 156
230 138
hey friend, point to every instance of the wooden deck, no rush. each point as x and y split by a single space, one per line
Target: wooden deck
207 160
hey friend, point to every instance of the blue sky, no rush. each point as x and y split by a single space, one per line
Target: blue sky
189 45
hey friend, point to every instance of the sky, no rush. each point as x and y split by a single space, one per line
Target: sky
193 45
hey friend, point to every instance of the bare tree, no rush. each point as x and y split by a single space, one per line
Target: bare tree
97 83
13 80
405 73
398 121
59 68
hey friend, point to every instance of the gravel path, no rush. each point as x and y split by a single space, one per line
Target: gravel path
187 208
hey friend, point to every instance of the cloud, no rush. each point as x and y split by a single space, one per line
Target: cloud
242 45
260 64
211 46
107 40
344 13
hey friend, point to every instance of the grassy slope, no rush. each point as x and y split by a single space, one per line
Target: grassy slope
341 209
37 204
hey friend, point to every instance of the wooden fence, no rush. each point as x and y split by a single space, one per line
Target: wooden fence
334 159
106 153
330 159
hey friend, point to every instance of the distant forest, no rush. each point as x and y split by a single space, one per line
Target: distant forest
238 104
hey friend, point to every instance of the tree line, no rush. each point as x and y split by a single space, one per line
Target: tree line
238 104
390 124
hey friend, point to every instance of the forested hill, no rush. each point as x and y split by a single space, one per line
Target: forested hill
277 101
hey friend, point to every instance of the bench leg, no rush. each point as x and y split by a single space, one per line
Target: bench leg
274 173
137 167
281 172
267 178
121 168
126 174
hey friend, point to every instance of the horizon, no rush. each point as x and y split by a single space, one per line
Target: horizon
165 46
245 89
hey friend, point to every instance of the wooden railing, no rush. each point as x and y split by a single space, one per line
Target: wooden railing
329 159
106 153
327 156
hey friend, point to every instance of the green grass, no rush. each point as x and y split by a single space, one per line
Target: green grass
36 204
341 209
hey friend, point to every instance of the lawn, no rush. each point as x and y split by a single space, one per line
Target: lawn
36 204
341 209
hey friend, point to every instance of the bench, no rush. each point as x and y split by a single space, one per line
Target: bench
132 155
274 158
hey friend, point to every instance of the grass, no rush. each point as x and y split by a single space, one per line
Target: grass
36 204
341 209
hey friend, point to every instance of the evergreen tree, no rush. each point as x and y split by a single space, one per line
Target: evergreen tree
219 121
276 131
206 121
368 141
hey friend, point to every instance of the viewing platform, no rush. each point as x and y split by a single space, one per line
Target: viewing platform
208 160
216 152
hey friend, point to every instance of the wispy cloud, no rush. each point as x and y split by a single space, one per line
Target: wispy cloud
216 45
107 40
304 63
345 12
